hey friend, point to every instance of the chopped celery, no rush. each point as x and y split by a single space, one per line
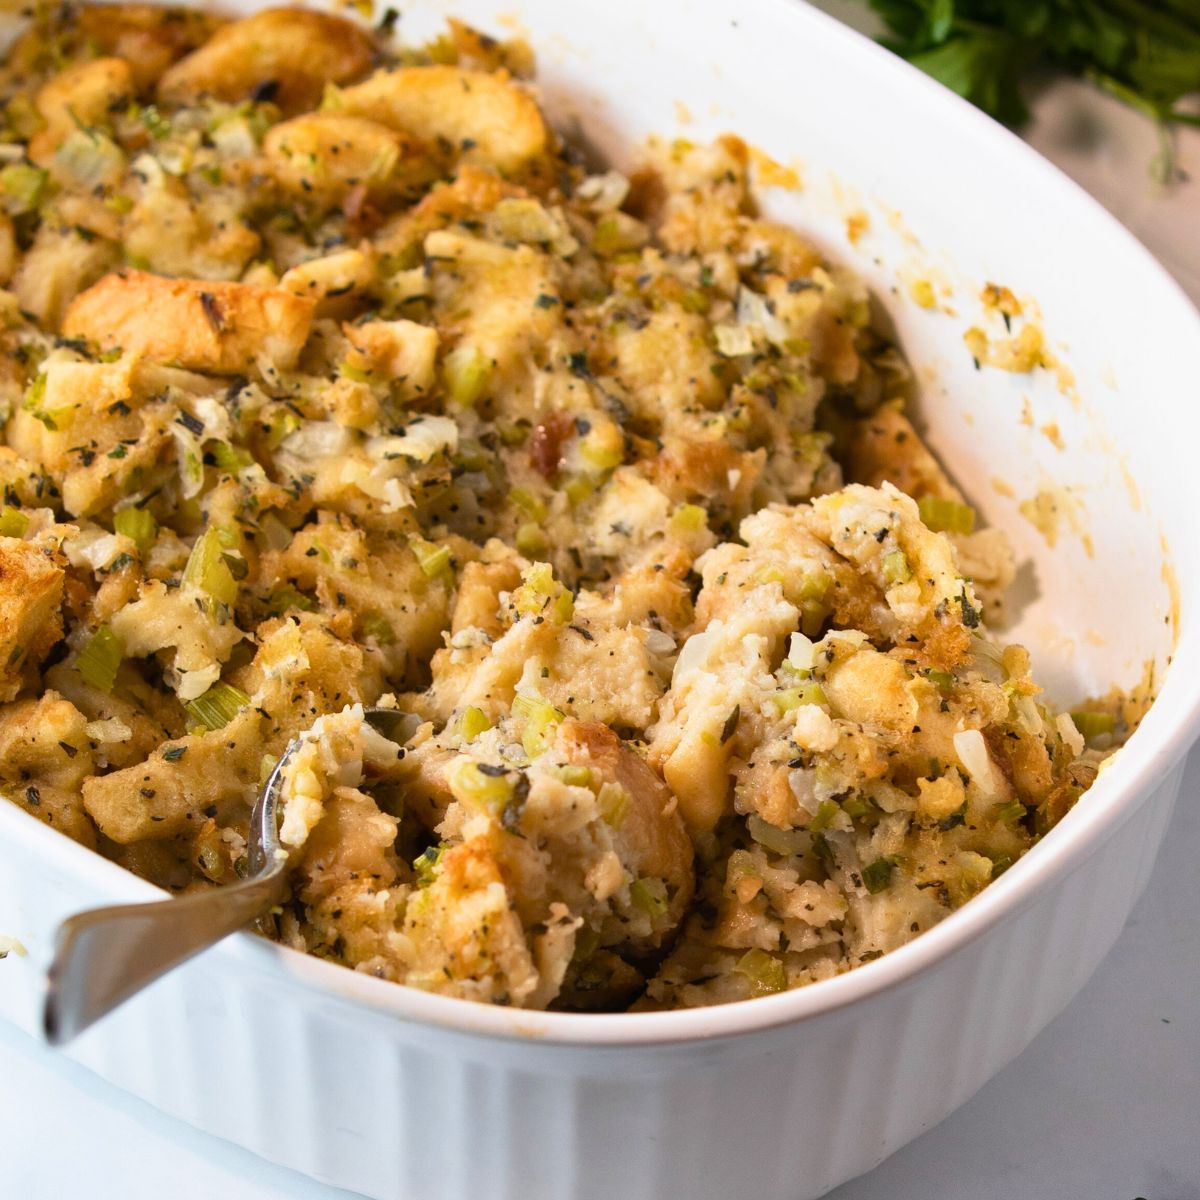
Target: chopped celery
375 625
649 895
541 719
578 489
790 699
282 424
587 942
514 434
688 518
895 568
1094 724
218 706
434 560
231 458
1010 814
474 722
356 374
425 865
614 802
826 814
482 785
764 971
139 525
13 522
530 539
603 447
100 659
541 592
946 516
856 806
207 569
607 239
158 126
528 503
466 372
574 776
24 184
288 596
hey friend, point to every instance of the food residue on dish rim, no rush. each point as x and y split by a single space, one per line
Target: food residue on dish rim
11 945
1171 579
857 224
1053 434
769 172
1050 507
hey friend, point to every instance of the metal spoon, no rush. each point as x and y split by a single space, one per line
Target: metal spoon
106 955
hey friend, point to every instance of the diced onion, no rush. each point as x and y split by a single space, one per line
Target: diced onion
112 730
420 441
604 192
754 310
972 752
1070 734
695 651
733 340
317 440
658 642
801 652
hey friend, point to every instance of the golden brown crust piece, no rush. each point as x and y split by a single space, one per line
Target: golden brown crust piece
295 49
481 115
31 588
886 447
147 37
322 156
202 325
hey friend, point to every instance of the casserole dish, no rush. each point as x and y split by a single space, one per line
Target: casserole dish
352 1081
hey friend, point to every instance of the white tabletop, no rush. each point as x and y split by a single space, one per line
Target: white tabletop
1105 1105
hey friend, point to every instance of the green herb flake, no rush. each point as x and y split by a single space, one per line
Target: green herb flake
877 876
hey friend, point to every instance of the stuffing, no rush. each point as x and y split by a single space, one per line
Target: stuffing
632 648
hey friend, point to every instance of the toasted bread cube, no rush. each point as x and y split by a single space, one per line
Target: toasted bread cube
401 352
321 156
84 95
297 49
147 37
223 328
31 588
485 116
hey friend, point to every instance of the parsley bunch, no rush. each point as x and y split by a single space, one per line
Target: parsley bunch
1146 52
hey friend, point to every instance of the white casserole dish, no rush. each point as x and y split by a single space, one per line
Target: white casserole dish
395 1093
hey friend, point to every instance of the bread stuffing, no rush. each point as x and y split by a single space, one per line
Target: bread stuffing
334 379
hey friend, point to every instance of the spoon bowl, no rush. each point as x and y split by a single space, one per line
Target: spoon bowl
106 955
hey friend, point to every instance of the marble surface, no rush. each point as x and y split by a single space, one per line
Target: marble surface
1105 1105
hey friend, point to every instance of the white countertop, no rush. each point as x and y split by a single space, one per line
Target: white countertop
1105 1105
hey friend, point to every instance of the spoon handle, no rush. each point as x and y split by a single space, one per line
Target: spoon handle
104 956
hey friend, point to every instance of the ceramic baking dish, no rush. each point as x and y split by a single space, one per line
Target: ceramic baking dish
397 1094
